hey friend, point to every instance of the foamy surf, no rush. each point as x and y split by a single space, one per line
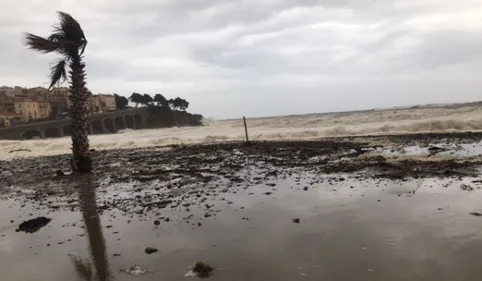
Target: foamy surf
394 121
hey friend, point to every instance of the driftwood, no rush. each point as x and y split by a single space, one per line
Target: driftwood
17 150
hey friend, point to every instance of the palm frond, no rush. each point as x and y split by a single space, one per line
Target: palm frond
57 73
66 47
71 29
82 47
41 44
57 37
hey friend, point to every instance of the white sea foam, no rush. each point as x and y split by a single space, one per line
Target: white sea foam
285 127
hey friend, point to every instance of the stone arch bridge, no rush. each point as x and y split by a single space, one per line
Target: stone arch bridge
102 123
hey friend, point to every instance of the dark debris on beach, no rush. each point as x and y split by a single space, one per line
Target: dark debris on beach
174 173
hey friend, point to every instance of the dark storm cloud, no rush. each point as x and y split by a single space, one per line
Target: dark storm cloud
331 54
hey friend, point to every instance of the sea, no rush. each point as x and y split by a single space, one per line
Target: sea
427 118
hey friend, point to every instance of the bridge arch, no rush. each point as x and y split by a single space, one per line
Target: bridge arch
67 130
133 119
53 132
97 127
130 122
138 121
32 134
109 125
119 123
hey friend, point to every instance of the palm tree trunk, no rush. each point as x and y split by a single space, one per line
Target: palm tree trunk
81 161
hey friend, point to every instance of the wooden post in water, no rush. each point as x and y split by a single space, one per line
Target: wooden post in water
246 129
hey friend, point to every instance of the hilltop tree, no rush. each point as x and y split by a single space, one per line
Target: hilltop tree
179 103
171 103
161 100
136 98
121 102
147 99
183 104
68 40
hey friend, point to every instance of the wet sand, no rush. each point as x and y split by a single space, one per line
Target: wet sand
371 208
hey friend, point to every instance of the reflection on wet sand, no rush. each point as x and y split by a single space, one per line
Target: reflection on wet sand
90 216
349 230
83 268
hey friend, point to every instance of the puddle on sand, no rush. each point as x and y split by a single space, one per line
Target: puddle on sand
348 230
445 149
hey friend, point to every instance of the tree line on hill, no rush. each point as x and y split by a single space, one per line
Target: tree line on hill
158 100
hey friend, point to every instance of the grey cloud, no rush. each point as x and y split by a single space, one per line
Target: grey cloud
328 54
449 48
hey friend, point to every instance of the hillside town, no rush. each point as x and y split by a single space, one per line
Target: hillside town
20 105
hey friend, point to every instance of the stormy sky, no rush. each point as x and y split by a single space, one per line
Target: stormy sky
262 57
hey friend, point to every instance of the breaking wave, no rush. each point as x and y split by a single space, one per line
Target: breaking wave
393 121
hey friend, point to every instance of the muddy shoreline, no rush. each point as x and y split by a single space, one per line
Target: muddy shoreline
224 166
276 153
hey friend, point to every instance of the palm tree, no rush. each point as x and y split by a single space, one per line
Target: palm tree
69 41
